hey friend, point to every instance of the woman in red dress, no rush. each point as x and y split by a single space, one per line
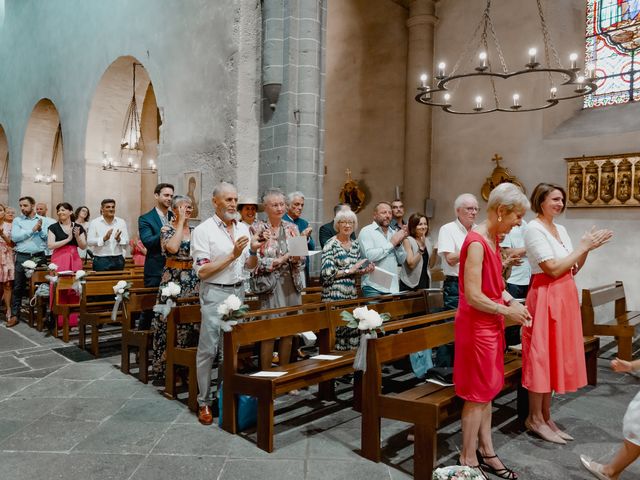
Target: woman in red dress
478 371
552 346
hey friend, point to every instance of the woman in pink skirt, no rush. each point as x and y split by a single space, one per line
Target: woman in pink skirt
7 260
478 371
553 347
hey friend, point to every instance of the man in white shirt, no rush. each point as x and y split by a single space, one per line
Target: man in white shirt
41 211
450 239
383 246
222 249
108 237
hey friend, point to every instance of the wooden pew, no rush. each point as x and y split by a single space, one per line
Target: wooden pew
622 324
428 406
96 314
140 299
36 311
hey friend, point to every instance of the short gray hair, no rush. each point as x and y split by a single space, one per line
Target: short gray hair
293 195
461 199
345 214
272 192
178 199
508 195
221 187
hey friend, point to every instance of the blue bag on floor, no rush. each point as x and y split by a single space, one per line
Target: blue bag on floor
247 414
421 362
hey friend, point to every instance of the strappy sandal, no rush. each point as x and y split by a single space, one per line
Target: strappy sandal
505 472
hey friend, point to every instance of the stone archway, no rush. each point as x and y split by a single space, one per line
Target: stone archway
42 155
131 190
4 167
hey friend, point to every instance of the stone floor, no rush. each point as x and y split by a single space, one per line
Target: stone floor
62 419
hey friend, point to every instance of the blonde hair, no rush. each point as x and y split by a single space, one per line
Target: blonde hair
509 196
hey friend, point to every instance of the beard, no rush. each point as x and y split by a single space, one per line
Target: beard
230 216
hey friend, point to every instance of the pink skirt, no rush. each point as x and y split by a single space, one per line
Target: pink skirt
66 258
553 346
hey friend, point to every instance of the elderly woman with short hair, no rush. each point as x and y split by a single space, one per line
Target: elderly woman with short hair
175 241
284 273
478 370
342 263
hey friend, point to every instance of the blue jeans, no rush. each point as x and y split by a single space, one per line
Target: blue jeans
368 291
451 296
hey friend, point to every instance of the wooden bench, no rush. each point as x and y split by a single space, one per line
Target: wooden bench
622 324
140 299
96 313
36 311
428 406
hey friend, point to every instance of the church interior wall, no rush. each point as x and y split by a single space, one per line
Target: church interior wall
4 167
534 145
59 50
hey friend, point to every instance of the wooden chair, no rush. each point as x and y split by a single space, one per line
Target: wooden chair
140 300
64 309
36 311
622 324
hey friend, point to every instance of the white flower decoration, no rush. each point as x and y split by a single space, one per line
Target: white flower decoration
52 266
30 264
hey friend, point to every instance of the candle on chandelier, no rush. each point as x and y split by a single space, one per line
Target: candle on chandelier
479 102
516 100
54 177
441 71
553 92
532 55
423 80
483 59
573 58
589 73
447 97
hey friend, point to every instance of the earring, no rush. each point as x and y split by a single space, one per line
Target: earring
499 218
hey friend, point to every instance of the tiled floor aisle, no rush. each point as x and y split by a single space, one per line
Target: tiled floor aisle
60 419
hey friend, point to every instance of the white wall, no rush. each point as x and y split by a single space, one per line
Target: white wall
534 145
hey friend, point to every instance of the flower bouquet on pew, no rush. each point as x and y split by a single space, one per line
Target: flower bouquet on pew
121 289
77 284
53 272
368 322
231 311
29 267
168 294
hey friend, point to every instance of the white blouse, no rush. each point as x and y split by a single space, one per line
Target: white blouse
541 245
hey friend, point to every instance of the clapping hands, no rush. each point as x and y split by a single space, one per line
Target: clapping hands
595 238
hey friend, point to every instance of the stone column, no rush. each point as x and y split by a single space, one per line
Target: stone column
417 157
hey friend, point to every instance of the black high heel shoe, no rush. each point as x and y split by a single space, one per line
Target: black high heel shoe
505 472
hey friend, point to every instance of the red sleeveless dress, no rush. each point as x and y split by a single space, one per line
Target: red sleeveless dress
478 367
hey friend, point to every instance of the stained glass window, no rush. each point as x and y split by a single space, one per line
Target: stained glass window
613 51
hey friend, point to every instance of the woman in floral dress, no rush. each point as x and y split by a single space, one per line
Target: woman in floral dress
342 263
7 260
175 240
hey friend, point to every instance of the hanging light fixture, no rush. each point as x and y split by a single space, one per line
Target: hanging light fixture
51 177
560 83
131 142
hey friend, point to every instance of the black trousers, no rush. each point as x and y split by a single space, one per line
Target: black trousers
105 264
20 280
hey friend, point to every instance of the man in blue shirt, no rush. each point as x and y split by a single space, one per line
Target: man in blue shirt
295 205
382 246
30 238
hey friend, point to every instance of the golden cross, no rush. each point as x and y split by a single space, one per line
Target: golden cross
496 158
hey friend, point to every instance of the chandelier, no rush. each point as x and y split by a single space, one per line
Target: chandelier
559 83
131 142
51 177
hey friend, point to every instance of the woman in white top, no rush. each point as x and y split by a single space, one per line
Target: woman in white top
552 346
414 274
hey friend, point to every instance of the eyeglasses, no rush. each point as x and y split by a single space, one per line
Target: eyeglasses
472 209
347 222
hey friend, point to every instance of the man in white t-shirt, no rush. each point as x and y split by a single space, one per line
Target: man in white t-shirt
450 239
518 282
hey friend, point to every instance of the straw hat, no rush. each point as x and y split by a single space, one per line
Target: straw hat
242 201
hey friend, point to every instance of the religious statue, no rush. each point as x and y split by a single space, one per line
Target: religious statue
591 192
351 194
607 181
499 175
575 183
623 189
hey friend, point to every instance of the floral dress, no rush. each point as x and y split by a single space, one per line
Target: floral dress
187 335
7 260
335 286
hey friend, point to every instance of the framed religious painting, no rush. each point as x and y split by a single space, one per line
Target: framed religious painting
193 189
604 181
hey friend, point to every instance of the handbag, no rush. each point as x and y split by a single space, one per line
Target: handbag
247 412
261 284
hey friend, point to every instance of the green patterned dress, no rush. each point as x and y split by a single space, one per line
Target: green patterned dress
338 286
